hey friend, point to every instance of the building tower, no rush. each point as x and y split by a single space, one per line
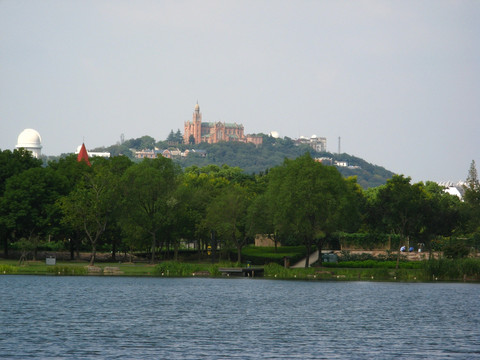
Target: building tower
194 127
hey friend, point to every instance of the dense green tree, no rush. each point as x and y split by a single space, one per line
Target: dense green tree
200 186
94 202
74 171
29 204
472 200
441 213
307 200
176 137
149 189
352 206
227 214
171 136
179 136
399 208
12 163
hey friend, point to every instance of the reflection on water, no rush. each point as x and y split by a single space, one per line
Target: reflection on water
138 318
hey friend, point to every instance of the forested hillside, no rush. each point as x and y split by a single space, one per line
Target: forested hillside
255 159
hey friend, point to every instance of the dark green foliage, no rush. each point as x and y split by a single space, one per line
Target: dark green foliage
15 162
456 251
451 269
348 256
123 148
373 264
250 158
175 138
174 268
472 201
368 241
67 270
277 271
266 255
273 152
8 269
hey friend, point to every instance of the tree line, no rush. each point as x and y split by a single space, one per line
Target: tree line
248 157
153 205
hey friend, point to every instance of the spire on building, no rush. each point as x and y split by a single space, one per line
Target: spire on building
83 155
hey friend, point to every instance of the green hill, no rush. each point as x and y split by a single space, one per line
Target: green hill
257 159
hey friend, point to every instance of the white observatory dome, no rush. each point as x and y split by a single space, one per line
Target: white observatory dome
275 134
30 139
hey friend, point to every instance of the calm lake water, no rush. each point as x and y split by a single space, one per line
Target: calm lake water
192 318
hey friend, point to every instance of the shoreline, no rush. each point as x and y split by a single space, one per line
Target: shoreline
169 269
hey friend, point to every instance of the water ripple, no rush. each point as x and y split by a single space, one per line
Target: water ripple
139 318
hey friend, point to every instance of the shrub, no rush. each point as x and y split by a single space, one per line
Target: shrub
375 264
67 270
470 267
390 256
368 241
175 268
8 269
266 255
455 251
275 270
451 269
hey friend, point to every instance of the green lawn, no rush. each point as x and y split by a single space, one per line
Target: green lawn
74 268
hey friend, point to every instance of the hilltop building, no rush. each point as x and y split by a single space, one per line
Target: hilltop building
197 131
30 140
319 144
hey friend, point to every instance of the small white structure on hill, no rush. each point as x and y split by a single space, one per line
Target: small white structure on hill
451 188
30 140
94 153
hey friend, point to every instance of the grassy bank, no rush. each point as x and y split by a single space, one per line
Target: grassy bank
430 270
75 268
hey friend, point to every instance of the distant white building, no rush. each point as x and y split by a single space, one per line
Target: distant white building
30 140
453 189
319 144
94 153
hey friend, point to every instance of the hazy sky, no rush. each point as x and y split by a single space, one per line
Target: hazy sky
398 81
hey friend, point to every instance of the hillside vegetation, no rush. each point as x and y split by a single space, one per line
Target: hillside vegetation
256 160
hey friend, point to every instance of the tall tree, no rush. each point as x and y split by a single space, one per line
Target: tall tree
74 171
29 203
149 189
399 208
92 203
306 199
472 200
200 186
171 136
12 163
226 215
179 136
441 213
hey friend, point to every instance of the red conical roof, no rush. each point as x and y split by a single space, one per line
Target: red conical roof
83 155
